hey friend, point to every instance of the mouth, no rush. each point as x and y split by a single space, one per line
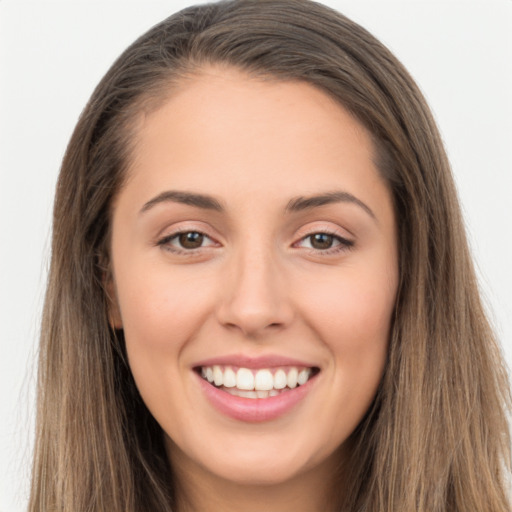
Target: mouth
256 383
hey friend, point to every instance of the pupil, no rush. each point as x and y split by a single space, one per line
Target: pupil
191 240
321 241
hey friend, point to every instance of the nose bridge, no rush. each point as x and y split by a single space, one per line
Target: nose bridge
255 297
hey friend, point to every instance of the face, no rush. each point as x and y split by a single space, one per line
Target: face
255 270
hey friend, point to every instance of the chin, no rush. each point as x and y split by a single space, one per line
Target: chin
257 462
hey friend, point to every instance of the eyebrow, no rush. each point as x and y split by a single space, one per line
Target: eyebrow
305 203
203 201
296 204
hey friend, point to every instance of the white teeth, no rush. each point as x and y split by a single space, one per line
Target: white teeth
303 377
280 379
243 394
229 378
244 379
217 376
252 394
263 382
291 379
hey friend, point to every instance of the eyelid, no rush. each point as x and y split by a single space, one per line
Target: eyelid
185 226
172 232
340 239
327 227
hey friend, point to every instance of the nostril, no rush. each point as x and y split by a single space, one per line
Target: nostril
254 327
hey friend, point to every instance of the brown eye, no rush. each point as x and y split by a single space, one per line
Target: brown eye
325 243
183 242
321 241
191 240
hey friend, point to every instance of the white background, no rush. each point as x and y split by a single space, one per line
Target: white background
52 54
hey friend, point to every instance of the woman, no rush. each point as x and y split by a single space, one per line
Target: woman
261 296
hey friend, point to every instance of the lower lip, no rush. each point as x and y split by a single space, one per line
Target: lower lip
255 409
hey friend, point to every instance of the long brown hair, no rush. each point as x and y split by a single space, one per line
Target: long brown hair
436 437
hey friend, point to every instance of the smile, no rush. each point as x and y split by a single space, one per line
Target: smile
256 383
255 390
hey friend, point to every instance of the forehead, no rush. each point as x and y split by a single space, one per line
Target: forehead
222 127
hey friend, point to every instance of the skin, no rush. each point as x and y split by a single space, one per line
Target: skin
258 285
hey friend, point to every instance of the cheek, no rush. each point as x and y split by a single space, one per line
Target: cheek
161 312
352 313
357 337
160 309
352 316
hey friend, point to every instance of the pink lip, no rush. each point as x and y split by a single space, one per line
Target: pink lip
239 360
254 409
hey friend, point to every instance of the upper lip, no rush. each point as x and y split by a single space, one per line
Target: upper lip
244 361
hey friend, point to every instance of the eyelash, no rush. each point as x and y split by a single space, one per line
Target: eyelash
343 244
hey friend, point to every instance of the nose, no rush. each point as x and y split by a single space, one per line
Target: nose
255 298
